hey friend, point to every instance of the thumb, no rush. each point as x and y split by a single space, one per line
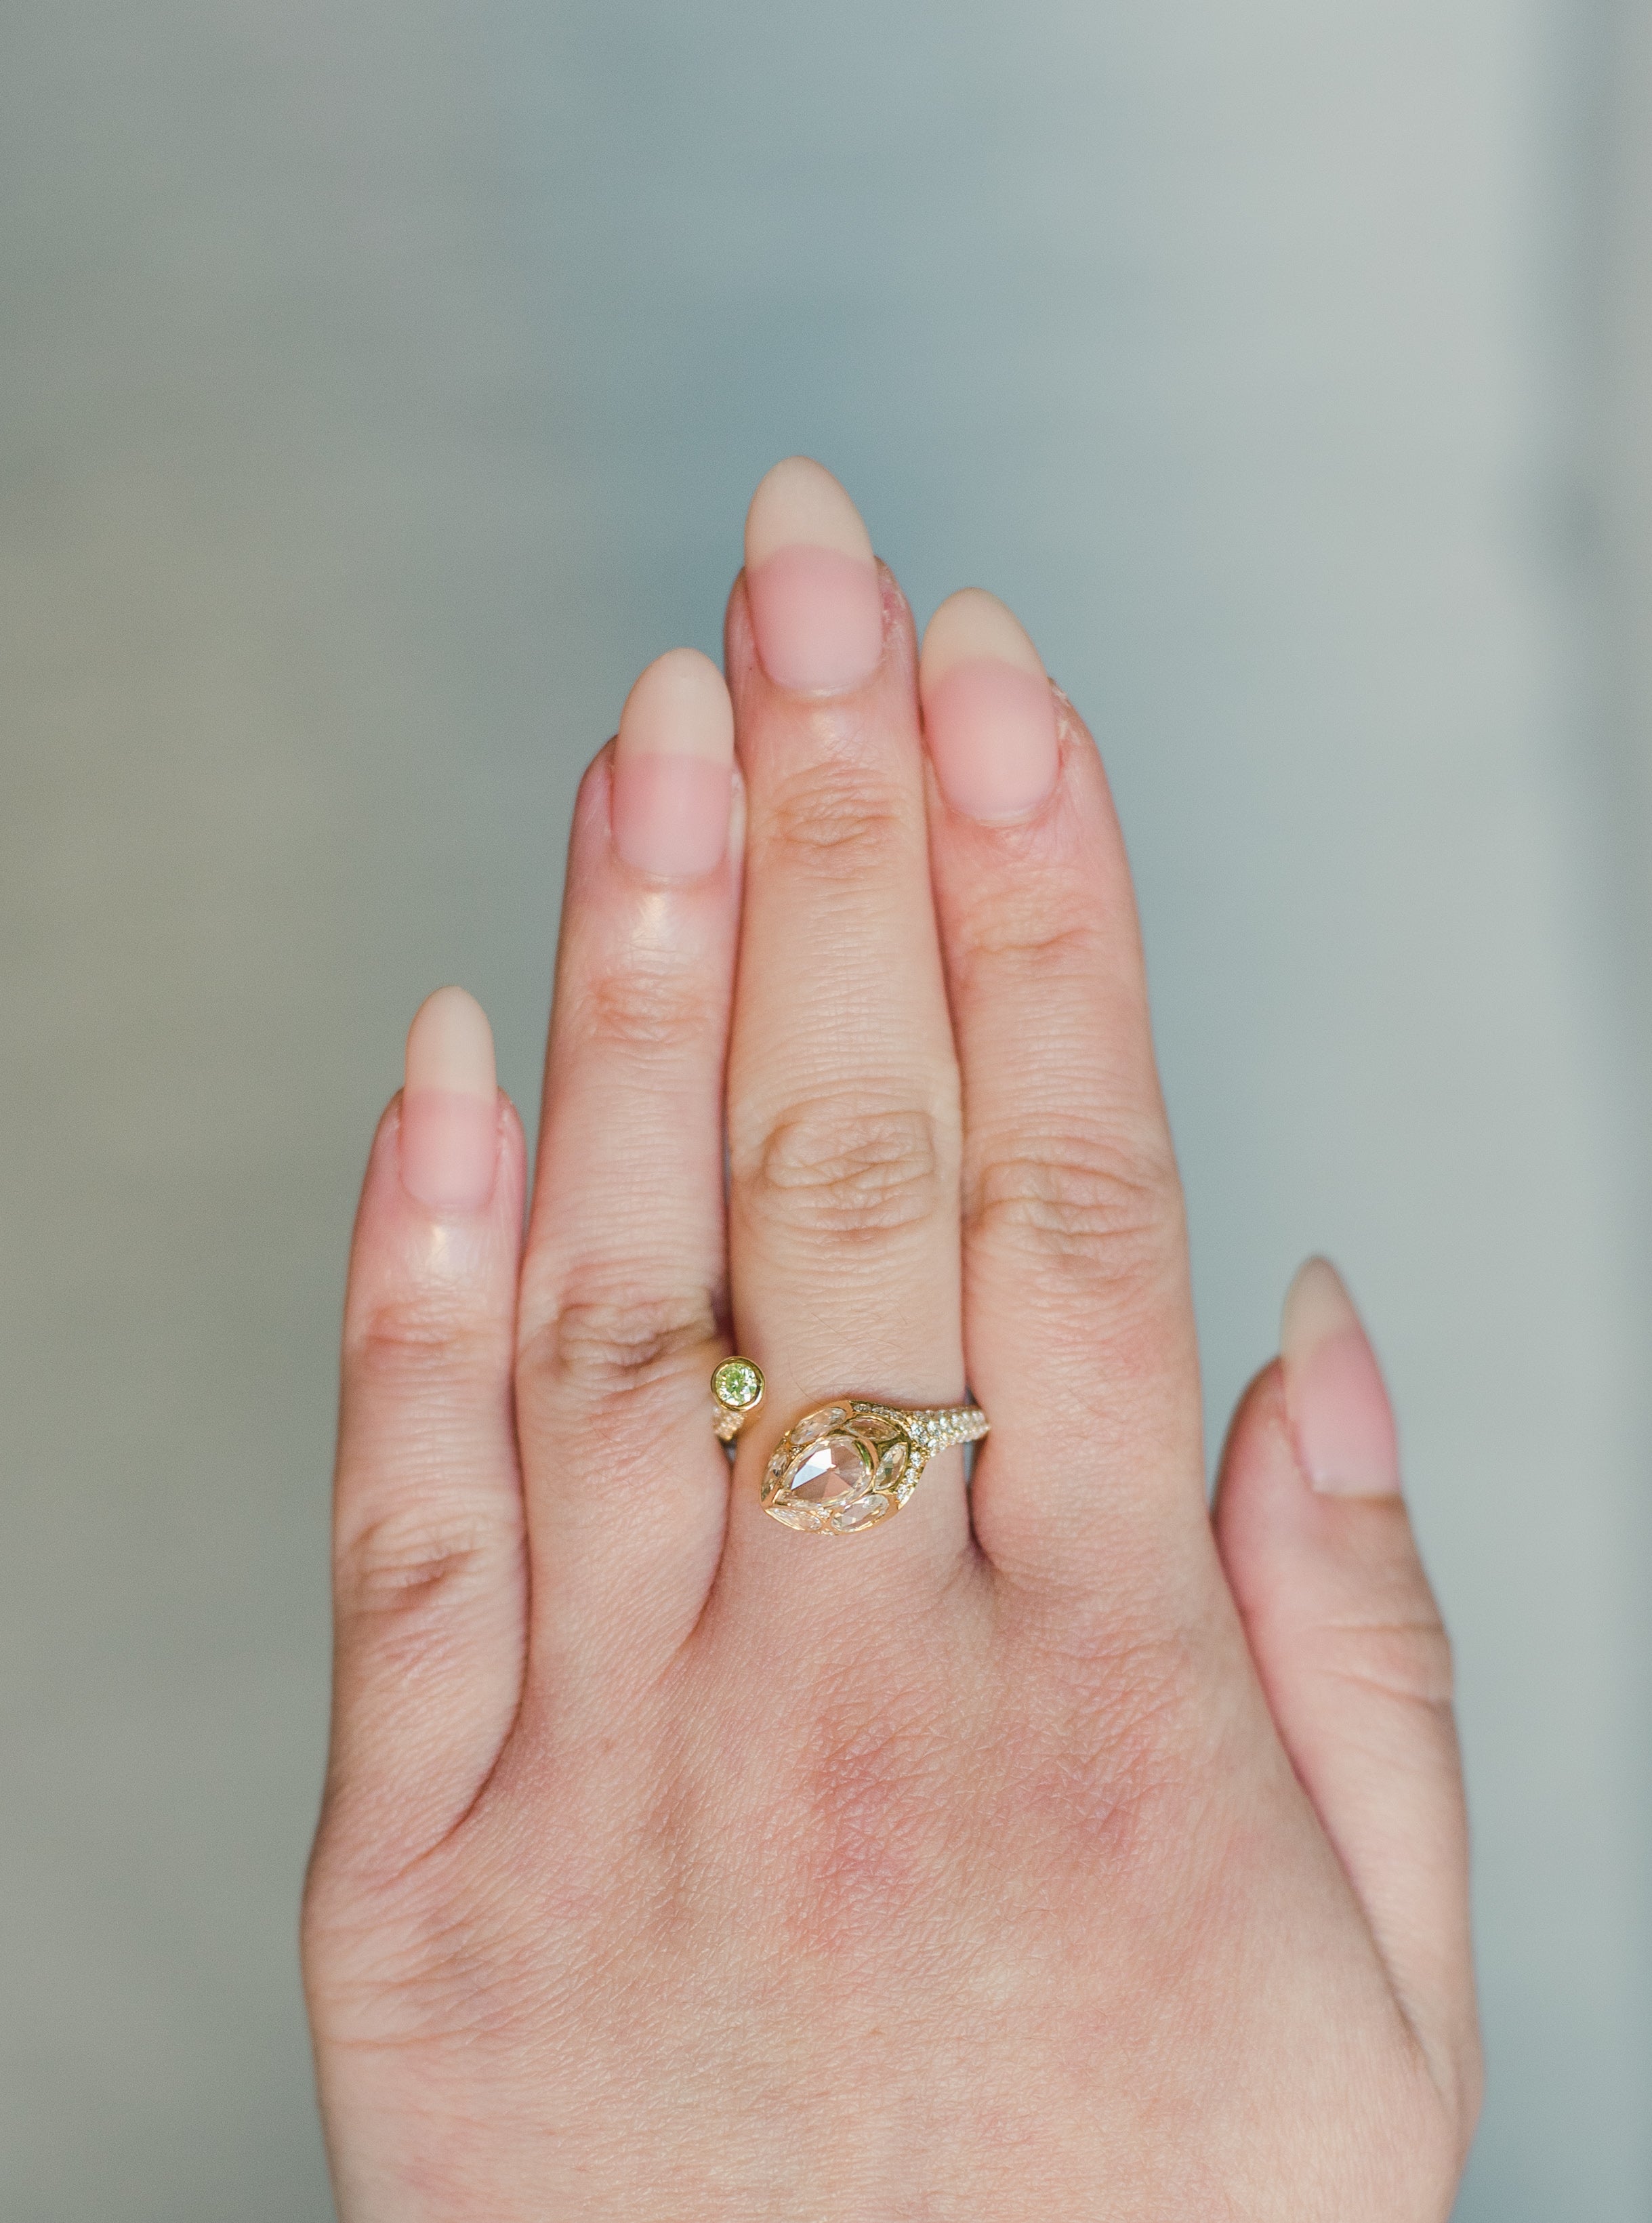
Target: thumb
1350 1651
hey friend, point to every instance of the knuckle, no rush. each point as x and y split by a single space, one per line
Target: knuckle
405 1562
1408 1658
606 1340
838 819
395 1952
1013 941
425 1337
645 1006
834 1168
1097 1204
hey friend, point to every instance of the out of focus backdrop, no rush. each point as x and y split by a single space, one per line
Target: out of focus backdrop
381 386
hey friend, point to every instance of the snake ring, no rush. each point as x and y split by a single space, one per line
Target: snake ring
846 1466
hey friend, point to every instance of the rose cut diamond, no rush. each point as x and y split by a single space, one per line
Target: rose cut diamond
843 1467
829 1472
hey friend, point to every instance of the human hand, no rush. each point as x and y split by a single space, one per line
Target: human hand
1056 1849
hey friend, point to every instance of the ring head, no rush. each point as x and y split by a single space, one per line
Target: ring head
842 1468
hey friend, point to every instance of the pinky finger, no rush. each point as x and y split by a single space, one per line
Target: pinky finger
1352 1653
429 1601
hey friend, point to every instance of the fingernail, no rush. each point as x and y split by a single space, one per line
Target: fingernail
817 605
450 1106
1339 1410
673 768
989 717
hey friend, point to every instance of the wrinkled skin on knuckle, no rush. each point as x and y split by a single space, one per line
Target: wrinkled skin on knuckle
425 1958
1092 1205
834 1170
401 1346
401 1565
1408 1660
502 1934
832 821
608 1339
650 1003
1014 946
1391 1638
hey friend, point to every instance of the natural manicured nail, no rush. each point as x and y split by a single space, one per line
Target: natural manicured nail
450 1106
817 605
673 768
1339 1410
989 717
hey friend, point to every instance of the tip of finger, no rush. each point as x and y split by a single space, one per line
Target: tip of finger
799 504
451 1045
679 707
989 714
973 625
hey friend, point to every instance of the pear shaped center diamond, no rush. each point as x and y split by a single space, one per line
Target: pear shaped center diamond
844 1467
830 1472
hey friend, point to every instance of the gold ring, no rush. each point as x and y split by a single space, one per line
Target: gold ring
846 1466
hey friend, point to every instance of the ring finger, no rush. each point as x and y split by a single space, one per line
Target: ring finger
843 1117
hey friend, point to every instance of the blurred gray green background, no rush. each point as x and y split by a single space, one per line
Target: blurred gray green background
380 387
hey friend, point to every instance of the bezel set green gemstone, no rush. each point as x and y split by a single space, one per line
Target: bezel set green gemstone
738 1384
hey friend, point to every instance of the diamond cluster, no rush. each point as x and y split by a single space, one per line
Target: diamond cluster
850 1465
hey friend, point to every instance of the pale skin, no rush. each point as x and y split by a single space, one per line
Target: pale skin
1062 1848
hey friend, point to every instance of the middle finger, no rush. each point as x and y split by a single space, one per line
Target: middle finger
843 1109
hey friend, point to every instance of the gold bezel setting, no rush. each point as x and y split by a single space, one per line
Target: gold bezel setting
882 1448
737 1384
